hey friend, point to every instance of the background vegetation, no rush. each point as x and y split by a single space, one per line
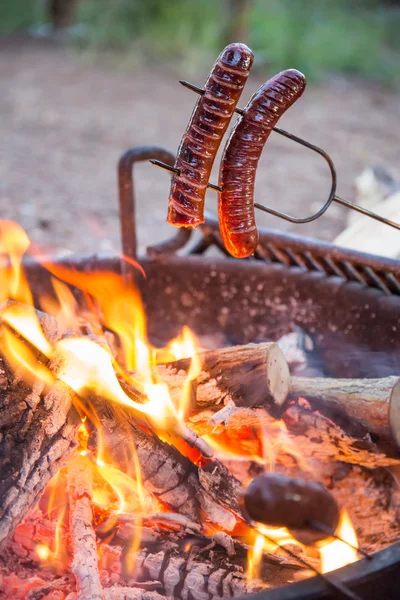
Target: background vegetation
319 36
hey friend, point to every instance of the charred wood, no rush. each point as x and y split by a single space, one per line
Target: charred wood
85 562
198 493
195 572
37 436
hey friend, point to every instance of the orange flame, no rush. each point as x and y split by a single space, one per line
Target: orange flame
334 553
108 306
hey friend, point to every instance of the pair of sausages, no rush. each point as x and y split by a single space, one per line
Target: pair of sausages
200 143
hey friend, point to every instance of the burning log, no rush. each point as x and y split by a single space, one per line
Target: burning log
37 436
302 435
125 593
250 375
85 562
129 593
190 569
372 403
165 472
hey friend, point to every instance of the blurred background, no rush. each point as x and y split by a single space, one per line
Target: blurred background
83 80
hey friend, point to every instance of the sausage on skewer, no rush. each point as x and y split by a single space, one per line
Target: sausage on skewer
241 155
201 140
282 501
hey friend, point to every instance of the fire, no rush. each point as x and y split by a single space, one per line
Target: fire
336 553
114 347
254 558
89 365
43 552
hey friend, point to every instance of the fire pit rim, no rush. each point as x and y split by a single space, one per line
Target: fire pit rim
356 576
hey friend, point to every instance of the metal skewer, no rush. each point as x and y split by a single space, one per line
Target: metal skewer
332 194
337 585
321 527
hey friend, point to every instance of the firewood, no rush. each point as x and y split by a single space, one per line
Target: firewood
85 562
182 571
372 403
318 438
124 593
250 375
372 186
37 436
305 435
166 473
129 593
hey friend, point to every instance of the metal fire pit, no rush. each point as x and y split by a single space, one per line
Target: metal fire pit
348 302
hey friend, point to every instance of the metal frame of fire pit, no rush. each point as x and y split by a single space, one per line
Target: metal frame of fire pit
274 247
347 301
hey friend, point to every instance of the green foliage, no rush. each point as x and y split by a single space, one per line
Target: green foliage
324 37
16 15
317 36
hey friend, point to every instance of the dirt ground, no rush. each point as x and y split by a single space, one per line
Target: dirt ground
65 122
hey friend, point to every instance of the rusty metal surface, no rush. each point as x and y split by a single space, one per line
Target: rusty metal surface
355 328
317 256
376 579
274 247
126 195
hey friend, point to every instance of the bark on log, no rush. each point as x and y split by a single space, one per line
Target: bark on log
39 433
125 593
196 572
251 375
310 437
208 492
37 436
85 562
373 403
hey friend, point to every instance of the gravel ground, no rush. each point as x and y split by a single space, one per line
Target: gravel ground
65 122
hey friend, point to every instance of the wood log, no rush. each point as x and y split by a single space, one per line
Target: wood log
251 375
207 492
372 403
311 445
37 436
196 571
85 562
131 593
303 436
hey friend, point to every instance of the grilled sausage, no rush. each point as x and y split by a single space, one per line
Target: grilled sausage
282 501
241 155
201 140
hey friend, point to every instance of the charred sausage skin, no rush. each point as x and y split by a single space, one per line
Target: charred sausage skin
241 155
201 140
279 500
